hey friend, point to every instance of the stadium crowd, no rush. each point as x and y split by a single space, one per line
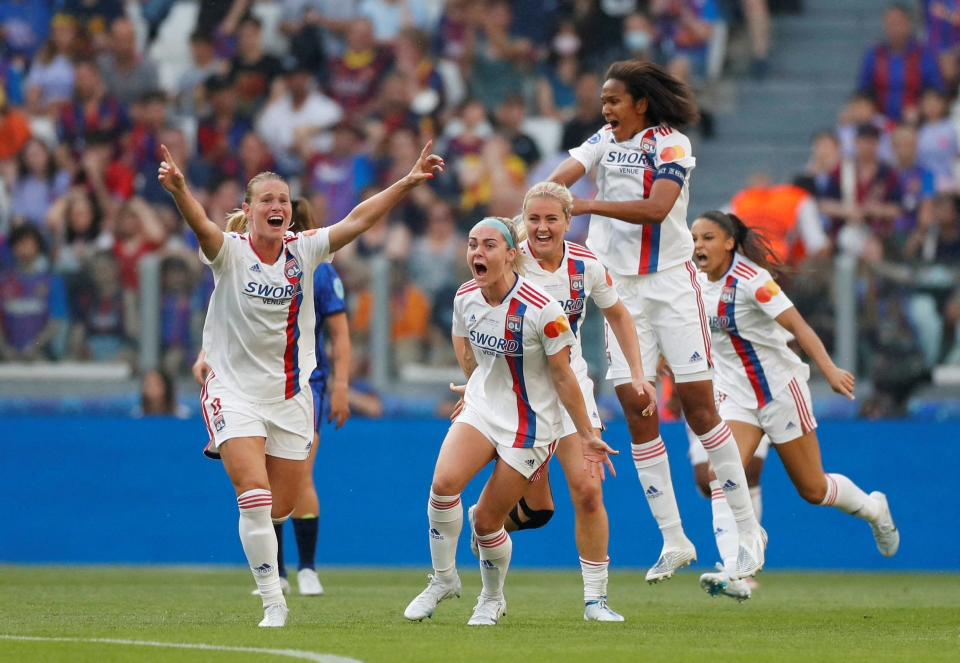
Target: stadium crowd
338 97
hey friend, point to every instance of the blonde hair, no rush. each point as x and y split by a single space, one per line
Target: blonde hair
520 261
237 219
553 190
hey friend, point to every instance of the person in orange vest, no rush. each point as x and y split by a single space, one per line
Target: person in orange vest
786 214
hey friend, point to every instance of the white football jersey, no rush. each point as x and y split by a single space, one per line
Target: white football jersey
259 331
511 385
579 276
750 349
626 171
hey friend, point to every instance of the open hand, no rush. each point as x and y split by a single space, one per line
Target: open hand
596 455
460 390
842 382
646 389
339 406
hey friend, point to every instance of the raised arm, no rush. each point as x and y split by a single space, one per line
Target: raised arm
621 323
208 233
596 452
367 213
840 380
652 210
568 172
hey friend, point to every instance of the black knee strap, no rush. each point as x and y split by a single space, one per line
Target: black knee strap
535 518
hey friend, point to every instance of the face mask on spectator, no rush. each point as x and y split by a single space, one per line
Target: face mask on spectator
637 40
566 45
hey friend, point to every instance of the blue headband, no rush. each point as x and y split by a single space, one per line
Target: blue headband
497 224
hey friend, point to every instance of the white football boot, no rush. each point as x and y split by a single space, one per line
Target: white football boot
488 611
752 555
427 601
284 586
308 584
721 584
670 560
274 616
599 611
884 529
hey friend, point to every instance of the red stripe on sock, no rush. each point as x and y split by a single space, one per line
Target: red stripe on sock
716 441
499 540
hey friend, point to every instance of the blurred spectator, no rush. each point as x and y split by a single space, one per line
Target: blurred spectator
434 256
684 29
937 149
104 314
198 172
556 85
33 303
392 112
158 397
587 119
221 131
293 123
510 116
639 38
409 317
897 70
252 69
864 197
454 38
49 84
413 62
943 25
128 74
77 222
205 63
825 158
95 17
15 130
600 25
255 157
176 315
341 174
498 62
786 215
220 20
92 109
38 184
861 109
390 17
936 238
24 25
354 78
301 22
138 233
917 187
757 15
11 81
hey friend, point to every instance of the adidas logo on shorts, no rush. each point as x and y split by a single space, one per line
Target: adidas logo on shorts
791 426
530 462
695 357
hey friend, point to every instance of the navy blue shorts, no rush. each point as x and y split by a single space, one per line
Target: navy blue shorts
319 390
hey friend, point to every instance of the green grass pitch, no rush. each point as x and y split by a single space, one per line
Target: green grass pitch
803 617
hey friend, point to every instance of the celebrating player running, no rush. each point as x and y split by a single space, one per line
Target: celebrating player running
256 400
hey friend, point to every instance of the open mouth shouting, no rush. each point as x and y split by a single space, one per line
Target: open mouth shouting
701 257
479 268
275 220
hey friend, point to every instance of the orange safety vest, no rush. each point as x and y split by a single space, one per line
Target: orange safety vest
773 212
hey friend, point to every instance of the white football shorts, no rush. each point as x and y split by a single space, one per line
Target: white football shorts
528 461
671 322
787 417
287 425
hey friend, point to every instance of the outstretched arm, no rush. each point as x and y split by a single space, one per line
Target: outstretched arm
651 210
367 213
568 172
208 233
840 380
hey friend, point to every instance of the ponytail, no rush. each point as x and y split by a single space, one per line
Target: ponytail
236 222
303 217
747 241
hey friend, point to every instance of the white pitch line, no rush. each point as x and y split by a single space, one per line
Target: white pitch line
289 653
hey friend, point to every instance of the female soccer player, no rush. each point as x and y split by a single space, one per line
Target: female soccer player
639 231
254 402
330 310
514 344
762 385
570 273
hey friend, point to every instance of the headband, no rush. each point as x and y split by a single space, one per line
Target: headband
497 224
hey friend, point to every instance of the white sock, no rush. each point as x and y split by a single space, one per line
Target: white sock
725 459
653 468
260 543
446 522
845 495
594 579
724 527
756 496
495 552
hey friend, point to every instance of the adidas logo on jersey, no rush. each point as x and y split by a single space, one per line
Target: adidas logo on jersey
730 485
473 319
653 493
256 268
695 357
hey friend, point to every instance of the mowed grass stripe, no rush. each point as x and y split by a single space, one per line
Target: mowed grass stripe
850 617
